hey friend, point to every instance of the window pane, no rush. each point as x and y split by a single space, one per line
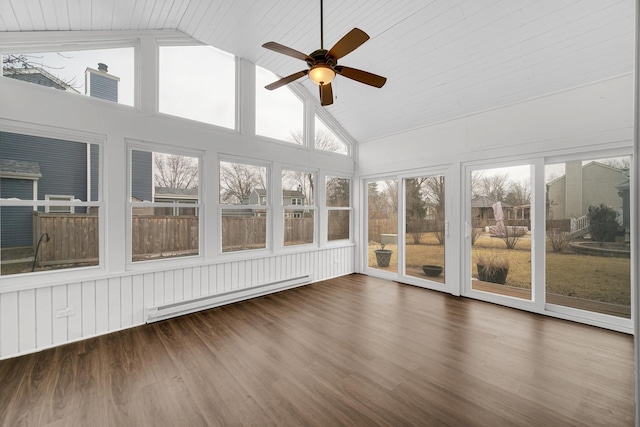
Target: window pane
382 203
338 224
39 241
157 236
198 83
54 170
424 219
298 226
243 184
101 73
588 235
279 113
164 231
37 168
338 192
500 237
327 140
243 230
297 188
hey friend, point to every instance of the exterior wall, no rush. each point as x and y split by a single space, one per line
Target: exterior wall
142 175
103 87
591 185
63 164
600 187
556 194
16 221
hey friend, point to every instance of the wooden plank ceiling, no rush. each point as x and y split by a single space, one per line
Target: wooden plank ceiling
443 58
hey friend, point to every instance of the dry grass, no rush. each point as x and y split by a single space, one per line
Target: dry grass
588 277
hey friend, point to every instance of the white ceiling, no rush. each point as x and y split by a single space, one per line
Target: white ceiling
443 58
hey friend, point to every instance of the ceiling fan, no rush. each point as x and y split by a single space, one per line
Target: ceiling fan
323 64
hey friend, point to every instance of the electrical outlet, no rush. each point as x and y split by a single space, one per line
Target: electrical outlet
65 312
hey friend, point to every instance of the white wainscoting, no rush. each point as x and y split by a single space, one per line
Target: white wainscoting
28 320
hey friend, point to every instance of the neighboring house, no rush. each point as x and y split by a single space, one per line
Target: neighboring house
38 76
290 198
570 195
175 195
482 211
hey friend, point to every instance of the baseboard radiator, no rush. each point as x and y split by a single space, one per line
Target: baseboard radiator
180 308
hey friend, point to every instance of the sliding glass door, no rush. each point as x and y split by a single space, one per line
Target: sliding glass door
588 236
553 236
425 231
382 225
499 231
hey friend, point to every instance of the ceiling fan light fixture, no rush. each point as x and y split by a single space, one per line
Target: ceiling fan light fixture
321 74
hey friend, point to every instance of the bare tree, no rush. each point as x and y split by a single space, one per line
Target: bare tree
324 140
494 186
301 181
519 193
175 171
619 162
238 180
15 65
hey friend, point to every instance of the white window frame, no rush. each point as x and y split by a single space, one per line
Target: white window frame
135 145
326 209
69 274
333 129
76 41
294 206
538 303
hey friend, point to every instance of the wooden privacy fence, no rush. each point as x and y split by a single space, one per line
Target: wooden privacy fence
74 237
155 236
239 232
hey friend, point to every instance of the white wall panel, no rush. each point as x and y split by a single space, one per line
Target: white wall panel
74 300
43 318
126 301
28 320
88 308
60 327
102 306
9 341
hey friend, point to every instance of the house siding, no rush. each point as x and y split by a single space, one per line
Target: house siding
103 87
63 165
16 221
95 172
142 175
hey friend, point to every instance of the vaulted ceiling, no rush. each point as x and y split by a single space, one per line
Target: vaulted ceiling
443 58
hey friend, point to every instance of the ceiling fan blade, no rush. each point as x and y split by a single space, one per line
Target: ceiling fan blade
277 47
326 94
286 80
347 44
361 76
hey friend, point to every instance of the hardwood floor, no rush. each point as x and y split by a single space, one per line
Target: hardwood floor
355 350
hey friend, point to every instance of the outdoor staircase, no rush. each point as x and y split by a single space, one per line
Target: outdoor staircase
579 227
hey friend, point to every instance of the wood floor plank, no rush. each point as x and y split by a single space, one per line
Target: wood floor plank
355 350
